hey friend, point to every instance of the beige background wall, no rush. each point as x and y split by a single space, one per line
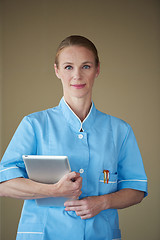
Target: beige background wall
128 38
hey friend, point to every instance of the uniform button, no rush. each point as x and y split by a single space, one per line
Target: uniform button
81 170
80 136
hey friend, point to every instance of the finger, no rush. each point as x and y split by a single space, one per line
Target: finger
72 203
79 179
82 213
75 208
73 175
86 216
81 202
75 196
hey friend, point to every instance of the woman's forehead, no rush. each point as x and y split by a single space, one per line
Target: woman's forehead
72 53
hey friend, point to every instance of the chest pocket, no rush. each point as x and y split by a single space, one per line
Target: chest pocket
111 186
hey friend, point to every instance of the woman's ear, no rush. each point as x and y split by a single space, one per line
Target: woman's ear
98 70
56 71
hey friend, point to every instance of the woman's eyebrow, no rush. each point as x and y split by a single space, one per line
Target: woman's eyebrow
86 62
67 63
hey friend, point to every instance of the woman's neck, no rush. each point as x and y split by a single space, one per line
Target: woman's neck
79 106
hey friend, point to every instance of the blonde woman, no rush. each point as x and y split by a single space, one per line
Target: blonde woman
105 160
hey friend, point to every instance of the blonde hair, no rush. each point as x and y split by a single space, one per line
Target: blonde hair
76 40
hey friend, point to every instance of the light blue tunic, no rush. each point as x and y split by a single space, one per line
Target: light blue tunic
106 143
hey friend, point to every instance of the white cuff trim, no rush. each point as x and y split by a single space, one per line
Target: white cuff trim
6 169
30 232
132 180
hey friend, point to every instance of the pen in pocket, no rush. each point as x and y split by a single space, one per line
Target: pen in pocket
106 176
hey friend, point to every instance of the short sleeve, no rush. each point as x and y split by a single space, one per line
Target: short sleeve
131 173
22 143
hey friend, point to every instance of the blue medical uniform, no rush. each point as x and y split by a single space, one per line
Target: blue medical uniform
106 143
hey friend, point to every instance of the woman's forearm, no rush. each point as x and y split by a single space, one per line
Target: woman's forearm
122 199
23 188
90 206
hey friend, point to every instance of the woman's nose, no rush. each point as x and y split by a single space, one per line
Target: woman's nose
77 74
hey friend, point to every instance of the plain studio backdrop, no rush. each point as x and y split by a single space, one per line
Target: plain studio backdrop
127 35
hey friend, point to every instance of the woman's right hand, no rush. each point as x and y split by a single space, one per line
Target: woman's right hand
69 186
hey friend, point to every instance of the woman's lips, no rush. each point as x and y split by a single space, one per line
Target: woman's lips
78 86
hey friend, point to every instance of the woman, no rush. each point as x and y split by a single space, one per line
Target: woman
104 157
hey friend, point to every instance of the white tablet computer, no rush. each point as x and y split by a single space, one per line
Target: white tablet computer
47 169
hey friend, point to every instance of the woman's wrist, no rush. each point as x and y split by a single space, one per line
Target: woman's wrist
106 201
48 190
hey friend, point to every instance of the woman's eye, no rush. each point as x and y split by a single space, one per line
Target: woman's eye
86 66
68 67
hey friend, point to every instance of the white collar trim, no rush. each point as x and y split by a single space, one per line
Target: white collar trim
77 116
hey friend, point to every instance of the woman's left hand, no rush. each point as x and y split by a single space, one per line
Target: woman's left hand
90 206
87 207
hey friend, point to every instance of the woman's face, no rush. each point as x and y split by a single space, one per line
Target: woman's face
77 71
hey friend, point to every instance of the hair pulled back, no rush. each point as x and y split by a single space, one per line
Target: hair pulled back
76 40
